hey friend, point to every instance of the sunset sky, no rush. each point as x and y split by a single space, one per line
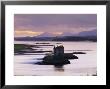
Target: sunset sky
56 24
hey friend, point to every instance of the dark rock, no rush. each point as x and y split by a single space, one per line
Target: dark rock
58 57
79 53
70 56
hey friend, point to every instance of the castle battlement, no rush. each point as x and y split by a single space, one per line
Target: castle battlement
59 50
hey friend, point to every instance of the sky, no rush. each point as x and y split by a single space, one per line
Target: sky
56 24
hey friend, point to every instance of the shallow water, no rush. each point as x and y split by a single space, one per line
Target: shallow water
86 64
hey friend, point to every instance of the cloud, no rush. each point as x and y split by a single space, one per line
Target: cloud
55 19
57 33
55 28
54 23
27 33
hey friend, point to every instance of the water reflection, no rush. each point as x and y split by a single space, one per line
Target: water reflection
26 64
58 68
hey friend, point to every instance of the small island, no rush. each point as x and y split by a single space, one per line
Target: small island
58 57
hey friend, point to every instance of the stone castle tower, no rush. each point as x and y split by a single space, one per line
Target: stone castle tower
59 50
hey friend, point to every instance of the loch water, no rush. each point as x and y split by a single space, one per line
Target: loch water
85 65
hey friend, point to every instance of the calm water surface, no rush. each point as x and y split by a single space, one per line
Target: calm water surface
86 64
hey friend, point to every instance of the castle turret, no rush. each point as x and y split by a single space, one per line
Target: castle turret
59 50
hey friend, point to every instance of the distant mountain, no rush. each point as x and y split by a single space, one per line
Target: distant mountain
63 38
46 34
88 33
33 38
67 34
84 33
76 38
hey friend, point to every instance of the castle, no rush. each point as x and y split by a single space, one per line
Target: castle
59 50
58 57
